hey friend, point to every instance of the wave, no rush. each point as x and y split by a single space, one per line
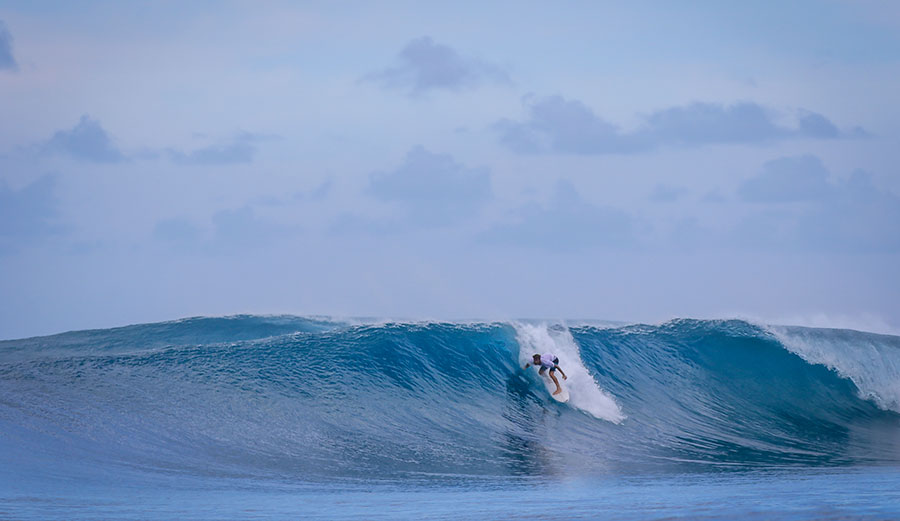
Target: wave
303 398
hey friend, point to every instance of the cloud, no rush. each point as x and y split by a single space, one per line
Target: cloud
239 150
178 232
434 189
817 126
558 125
667 193
7 60
800 206
567 223
708 123
858 216
317 194
788 179
234 230
89 141
86 141
713 196
424 66
320 193
566 126
240 229
28 214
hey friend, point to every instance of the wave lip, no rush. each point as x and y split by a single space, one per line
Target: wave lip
871 361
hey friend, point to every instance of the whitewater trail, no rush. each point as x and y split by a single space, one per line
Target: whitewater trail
584 393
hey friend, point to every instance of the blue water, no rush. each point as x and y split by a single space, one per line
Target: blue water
284 417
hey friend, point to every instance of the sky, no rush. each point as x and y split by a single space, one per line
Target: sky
633 161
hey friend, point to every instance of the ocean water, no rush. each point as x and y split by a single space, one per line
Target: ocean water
252 417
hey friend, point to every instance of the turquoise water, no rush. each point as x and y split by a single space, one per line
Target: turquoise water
285 417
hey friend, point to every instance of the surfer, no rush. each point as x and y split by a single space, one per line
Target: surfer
548 361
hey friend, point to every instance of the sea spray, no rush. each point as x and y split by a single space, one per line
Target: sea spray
584 392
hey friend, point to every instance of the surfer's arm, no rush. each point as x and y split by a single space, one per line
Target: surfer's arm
527 365
558 368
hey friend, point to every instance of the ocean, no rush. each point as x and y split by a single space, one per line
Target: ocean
283 417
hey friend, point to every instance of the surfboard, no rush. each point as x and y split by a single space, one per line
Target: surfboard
562 397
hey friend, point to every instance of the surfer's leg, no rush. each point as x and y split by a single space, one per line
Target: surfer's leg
553 377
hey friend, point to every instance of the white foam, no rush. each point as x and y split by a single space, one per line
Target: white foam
584 393
870 361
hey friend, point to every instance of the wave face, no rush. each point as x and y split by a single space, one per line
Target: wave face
308 399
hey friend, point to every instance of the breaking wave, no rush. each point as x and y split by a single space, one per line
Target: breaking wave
313 399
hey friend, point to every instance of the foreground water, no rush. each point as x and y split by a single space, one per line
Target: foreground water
286 418
836 494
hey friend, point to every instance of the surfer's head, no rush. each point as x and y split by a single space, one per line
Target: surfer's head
537 358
